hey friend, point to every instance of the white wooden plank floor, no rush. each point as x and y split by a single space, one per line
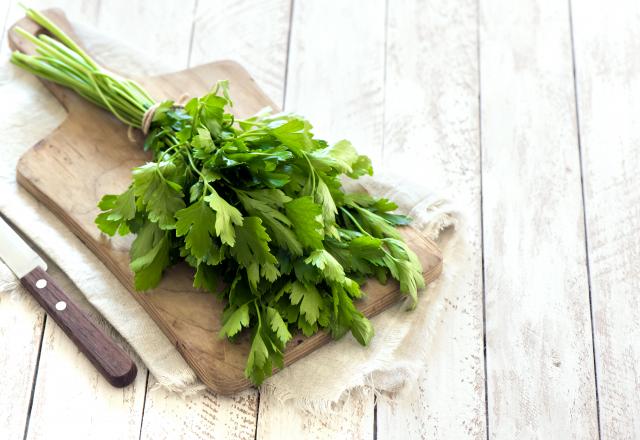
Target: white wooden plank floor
527 112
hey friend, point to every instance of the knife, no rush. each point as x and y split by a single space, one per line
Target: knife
110 359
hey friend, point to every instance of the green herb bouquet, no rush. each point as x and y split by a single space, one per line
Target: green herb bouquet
255 206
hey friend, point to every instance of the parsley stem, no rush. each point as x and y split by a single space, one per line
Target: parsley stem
43 21
193 166
355 222
62 61
255 304
251 133
312 173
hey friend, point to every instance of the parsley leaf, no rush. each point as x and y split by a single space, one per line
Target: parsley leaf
306 217
196 224
328 265
258 365
278 325
226 217
162 197
235 321
266 204
251 251
117 211
149 256
309 299
340 156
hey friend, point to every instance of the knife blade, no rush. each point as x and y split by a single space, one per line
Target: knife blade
108 358
17 254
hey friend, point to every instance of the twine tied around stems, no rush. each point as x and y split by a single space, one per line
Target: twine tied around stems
147 118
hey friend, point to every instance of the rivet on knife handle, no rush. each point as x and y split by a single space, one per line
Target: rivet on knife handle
111 360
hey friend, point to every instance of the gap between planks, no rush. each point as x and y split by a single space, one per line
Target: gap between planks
584 213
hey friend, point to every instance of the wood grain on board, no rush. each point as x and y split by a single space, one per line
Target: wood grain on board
90 154
607 43
540 376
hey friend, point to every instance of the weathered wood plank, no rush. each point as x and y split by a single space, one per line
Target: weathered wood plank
109 358
539 350
160 30
216 36
84 11
607 43
21 320
5 7
251 32
63 375
21 326
71 398
208 416
355 420
180 419
114 412
431 134
68 387
337 83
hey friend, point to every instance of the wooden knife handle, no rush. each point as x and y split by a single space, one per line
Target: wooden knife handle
111 360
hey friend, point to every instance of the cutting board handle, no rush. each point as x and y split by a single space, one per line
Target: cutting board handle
67 98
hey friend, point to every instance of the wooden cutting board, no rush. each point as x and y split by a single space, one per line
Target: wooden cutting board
90 155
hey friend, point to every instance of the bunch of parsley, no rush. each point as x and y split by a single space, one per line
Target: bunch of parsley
255 206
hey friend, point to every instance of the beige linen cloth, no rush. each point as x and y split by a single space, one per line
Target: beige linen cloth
398 353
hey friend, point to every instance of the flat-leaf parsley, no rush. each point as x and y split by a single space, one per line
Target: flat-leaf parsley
255 206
